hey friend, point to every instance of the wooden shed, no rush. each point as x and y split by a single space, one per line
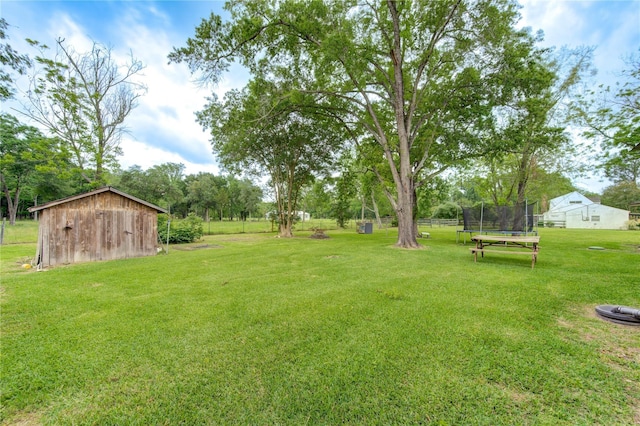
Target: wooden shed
104 224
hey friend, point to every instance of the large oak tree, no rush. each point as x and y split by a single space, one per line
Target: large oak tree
419 77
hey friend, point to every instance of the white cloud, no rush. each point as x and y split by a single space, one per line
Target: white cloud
165 118
163 127
555 18
61 26
612 27
146 156
165 115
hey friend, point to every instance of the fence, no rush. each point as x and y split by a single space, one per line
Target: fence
438 222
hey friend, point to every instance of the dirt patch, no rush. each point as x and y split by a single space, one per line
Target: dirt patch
24 419
633 248
318 234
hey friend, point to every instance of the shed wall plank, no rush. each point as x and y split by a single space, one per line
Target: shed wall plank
102 226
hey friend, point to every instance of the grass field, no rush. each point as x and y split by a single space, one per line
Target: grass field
263 226
252 329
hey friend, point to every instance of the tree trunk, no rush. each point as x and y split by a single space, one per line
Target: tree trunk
519 222
404 177
415 212
283 204
99 167
285 230
375 210
404 211
12 204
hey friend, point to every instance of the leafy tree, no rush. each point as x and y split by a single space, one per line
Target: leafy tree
544 186
222 196
233 189
10 60
533 134
466 184
343 194
24 152
611 115
317 198
621 195
249 198
447 210
162 184
368 194
434 193
50 184
167 184
202 191
419 78
134 181
253 133
624 166
84 99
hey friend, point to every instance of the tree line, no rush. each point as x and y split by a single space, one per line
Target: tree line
352 109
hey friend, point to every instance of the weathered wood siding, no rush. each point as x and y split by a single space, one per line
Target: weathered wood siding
103 226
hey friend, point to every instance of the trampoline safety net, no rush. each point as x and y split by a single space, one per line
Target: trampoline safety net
507 219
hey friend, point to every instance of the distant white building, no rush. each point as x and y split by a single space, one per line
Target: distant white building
304 216
574 210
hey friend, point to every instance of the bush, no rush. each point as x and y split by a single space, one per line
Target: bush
447 210
181 231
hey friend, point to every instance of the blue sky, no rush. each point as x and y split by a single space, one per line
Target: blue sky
163 127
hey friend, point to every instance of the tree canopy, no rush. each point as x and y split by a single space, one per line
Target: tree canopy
10 60
24 153
257 130
611 116
84 99
420 78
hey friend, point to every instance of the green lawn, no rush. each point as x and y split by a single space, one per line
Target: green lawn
262 225
252 329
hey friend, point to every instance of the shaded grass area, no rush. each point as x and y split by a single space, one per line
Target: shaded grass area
252 329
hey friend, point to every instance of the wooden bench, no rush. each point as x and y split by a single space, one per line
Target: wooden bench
532 253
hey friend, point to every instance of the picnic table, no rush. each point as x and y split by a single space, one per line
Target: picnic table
506 244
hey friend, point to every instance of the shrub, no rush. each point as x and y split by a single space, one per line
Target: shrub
634 225
181 231
447 210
